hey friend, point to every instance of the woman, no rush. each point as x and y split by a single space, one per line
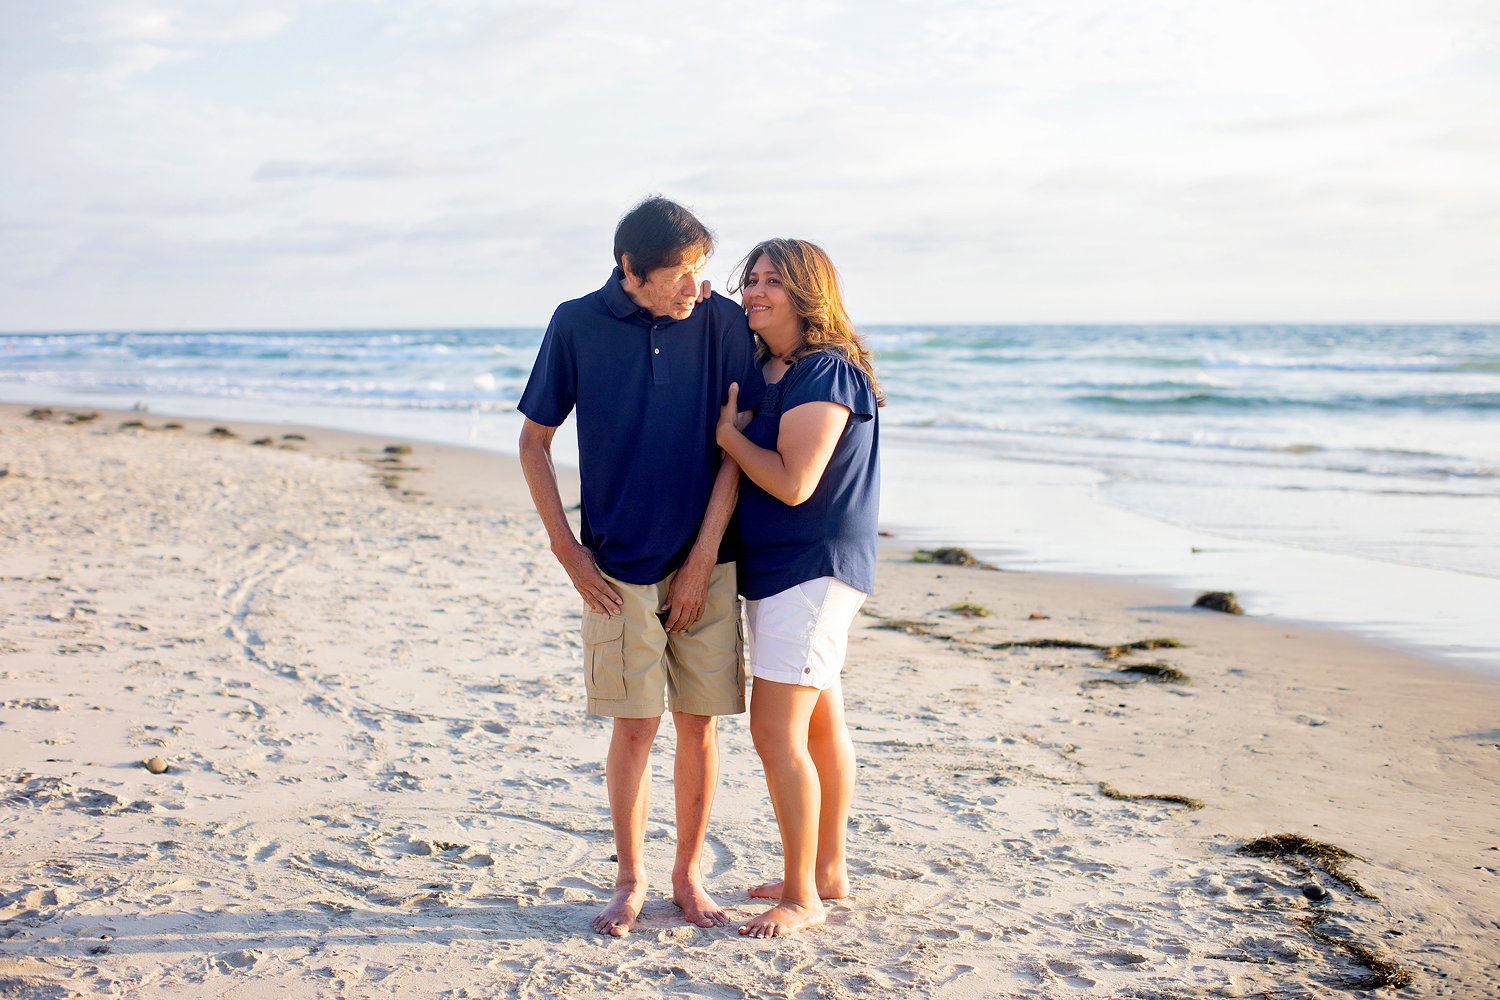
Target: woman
807 558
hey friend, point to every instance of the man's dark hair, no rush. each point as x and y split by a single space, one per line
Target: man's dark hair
659 233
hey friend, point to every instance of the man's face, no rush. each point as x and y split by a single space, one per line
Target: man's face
668 291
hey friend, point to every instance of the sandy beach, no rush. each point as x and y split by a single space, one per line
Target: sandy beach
359 665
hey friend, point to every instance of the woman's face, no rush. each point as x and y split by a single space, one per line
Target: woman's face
767 307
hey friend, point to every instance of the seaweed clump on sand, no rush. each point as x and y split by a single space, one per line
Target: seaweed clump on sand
1151 673
222 432
969 609
1383 972
1046 644
1157 673
41 413
1305 855
264 442
398 449
1115 652
80 418
908 625
1109 652
1111 792
1219 600
950 556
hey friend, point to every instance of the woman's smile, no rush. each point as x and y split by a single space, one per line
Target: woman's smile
768 308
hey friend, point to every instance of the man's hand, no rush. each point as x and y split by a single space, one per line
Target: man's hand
596 592
704 291
686 596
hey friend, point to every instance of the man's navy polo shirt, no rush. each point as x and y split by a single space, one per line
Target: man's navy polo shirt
648 391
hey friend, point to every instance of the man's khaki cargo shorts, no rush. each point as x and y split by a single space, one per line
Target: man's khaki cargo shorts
631 662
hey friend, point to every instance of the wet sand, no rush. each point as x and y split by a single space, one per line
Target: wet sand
381 781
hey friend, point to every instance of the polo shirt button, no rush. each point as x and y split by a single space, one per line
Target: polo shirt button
807 670
656 350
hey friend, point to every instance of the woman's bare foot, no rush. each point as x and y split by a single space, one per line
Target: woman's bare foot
833 887
697 905
620 915
782 919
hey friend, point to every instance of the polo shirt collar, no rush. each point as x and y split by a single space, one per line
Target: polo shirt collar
622 305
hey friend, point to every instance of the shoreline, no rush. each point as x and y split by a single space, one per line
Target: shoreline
1428 612
347 677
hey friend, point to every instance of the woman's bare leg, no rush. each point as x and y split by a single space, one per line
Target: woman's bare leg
780 716
832 753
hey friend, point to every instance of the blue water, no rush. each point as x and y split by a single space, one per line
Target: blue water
1375 441
1337 453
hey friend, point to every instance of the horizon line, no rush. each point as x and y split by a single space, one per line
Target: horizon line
161 331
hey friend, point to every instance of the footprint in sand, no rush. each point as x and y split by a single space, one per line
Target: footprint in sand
245 958
1071 973
101 931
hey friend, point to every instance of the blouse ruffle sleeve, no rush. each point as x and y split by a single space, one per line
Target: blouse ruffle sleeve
829 377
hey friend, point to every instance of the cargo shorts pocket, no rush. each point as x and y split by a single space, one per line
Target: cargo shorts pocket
739 648
604 656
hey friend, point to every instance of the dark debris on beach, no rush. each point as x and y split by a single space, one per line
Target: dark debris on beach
1111 792
1384 974
910 626
1109 652
950 556
1306 854
1309 856
1219 600
1157 673
47 413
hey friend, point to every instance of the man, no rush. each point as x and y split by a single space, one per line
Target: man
647 367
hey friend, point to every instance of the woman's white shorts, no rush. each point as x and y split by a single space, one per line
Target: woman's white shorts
800 635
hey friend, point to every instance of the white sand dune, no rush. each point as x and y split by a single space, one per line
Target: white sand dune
382 783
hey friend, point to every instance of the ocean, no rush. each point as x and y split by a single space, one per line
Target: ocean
1341 475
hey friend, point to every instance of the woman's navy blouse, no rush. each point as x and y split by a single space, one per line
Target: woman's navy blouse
833 532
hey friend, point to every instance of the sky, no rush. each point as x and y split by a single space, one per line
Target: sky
424 163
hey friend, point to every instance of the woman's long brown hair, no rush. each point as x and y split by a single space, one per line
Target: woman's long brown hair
812 284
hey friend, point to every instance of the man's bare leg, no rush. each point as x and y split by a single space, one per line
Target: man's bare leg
627 770
779 719
832 753
695 776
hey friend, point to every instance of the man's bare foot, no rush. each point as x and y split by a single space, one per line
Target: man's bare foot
624 907
834 887
783 918
697 905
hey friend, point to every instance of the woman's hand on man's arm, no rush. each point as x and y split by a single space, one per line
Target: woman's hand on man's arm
688 594
804 445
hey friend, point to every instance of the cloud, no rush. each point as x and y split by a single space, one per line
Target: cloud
365 170
405 162
1317 121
